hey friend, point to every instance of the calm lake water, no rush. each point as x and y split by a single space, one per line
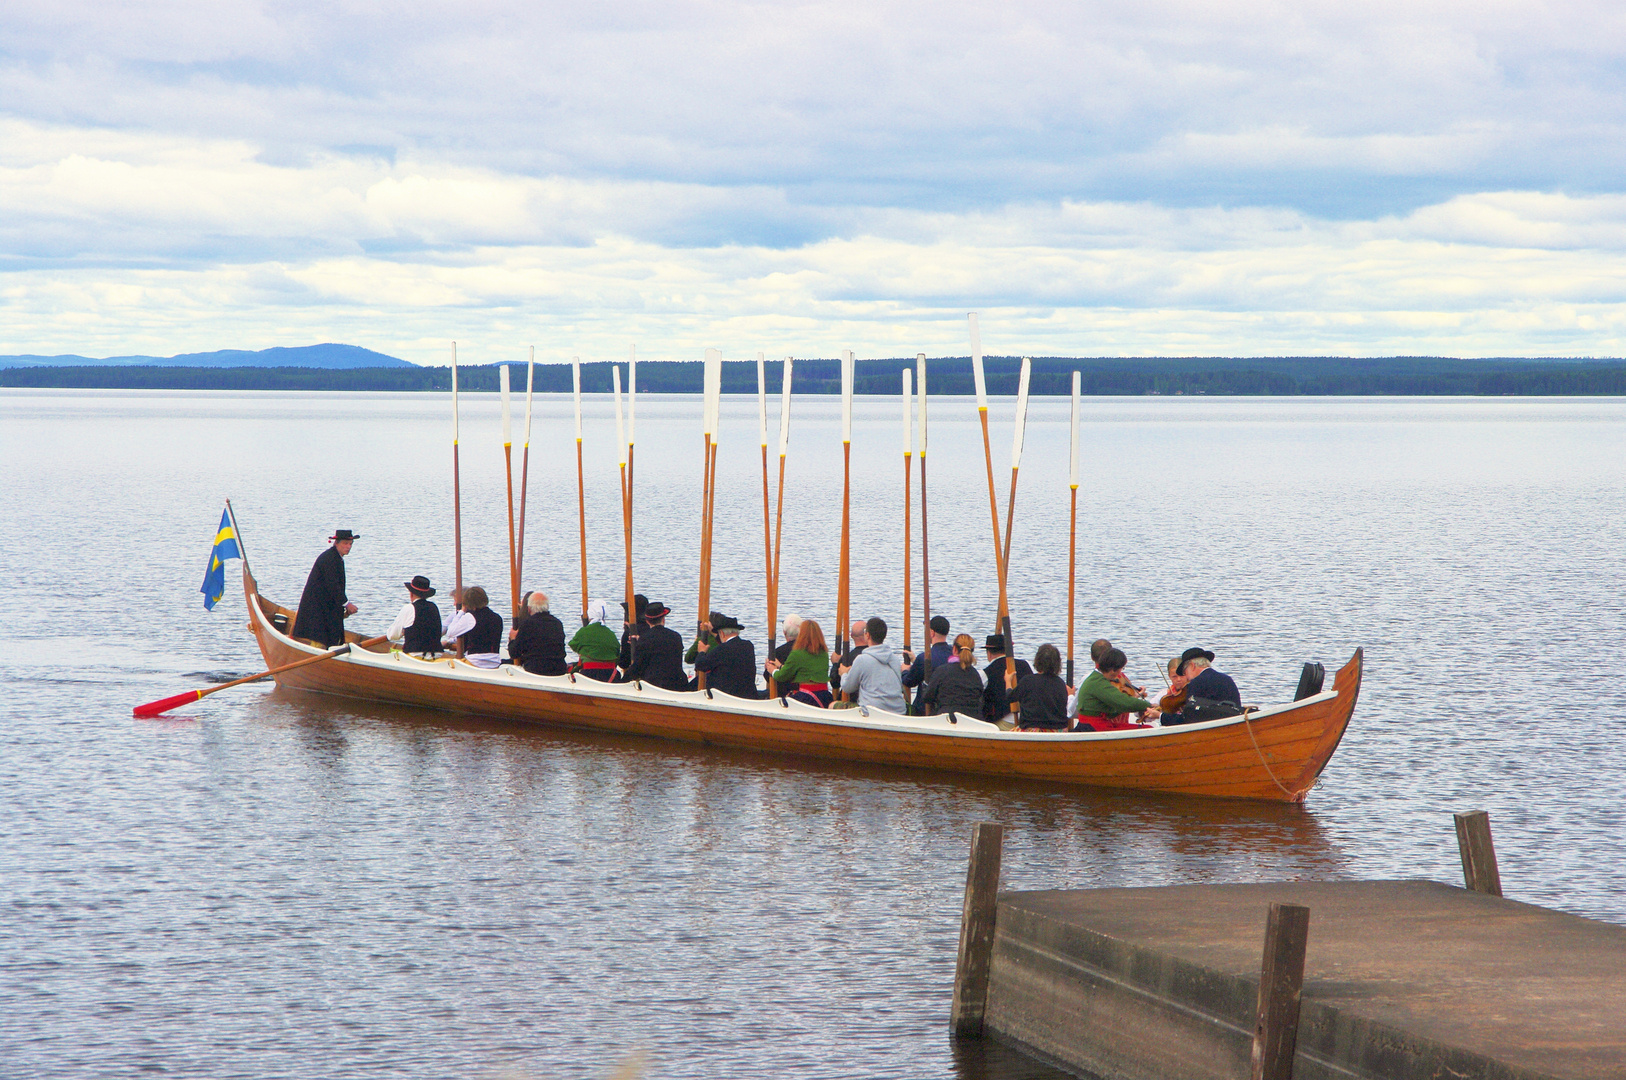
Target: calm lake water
273 884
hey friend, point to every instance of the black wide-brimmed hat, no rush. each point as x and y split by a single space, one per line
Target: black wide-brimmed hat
726 622
639 603
995 642
1192 654
344 534
656 610
420 584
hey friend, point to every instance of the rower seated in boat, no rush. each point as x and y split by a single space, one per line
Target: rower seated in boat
539 644
957 686
478 629
659 659
730 666
875 676
1209 694
595 644
1102 703
1040 699
417 625
804 674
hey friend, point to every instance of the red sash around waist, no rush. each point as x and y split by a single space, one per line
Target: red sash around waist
813 687
597 665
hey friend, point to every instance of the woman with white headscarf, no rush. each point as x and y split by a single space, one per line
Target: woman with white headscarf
596 644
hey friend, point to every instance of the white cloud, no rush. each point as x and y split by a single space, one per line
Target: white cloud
1168 176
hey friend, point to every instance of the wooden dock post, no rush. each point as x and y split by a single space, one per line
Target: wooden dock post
1479 871
977 930
1281 977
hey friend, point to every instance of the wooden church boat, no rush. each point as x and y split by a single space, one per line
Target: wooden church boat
1276 753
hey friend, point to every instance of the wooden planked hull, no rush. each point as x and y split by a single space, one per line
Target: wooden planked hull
1277 755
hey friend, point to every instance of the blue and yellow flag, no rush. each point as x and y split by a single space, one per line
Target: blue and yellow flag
214 579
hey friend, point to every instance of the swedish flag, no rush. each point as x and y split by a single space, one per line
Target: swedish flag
214 579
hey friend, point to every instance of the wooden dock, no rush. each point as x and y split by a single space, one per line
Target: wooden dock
1400 980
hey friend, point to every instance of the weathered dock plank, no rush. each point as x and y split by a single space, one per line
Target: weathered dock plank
1402 979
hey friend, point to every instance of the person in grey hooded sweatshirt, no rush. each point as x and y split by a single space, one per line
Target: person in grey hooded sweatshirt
876 674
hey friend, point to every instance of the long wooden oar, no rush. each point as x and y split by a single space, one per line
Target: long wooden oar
581 481
772 632
993 496
632 437
155 708
1010 507
525 461
779 504
633 615
843 610
508 471
908 504
925 534
457 488
1072 529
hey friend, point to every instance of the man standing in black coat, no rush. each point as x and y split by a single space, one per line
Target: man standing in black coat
659 661
539 644
730 666
323 606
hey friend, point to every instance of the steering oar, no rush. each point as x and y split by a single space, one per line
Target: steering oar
156 708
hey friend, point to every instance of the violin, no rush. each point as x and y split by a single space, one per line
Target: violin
1128 687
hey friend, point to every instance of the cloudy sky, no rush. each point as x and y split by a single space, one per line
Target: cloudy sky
1129 178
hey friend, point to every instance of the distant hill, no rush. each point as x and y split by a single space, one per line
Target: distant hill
329 357
1217 375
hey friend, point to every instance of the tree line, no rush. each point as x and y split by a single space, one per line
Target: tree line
1244 376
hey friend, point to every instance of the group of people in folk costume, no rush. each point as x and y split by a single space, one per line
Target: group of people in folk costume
944 677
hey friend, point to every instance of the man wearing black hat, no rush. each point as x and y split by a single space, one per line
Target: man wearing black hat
323 606
660 652
938 653
1210 694
996 702
632 627
539 644
417 624
730 665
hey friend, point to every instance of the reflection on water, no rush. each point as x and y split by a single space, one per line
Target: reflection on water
293 885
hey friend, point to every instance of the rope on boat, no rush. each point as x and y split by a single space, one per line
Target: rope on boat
1247 723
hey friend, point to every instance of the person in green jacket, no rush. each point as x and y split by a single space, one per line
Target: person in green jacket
596 644
807 669
1101 705
706 636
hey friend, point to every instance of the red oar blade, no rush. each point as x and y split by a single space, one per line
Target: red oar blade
154 708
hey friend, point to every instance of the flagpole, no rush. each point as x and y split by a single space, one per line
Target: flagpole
633 613
925 537
779 503
767 510
581 480
525 461
908 501
503 379
993 497
1010 509
237 534
1072 527
457 489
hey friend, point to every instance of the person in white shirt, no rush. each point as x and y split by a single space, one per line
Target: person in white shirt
459 624
417 624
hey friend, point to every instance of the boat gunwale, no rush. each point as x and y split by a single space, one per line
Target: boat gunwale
860 718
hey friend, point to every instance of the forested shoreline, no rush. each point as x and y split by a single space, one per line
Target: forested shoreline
1242 376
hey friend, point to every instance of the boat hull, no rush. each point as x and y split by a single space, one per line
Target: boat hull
1276 755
